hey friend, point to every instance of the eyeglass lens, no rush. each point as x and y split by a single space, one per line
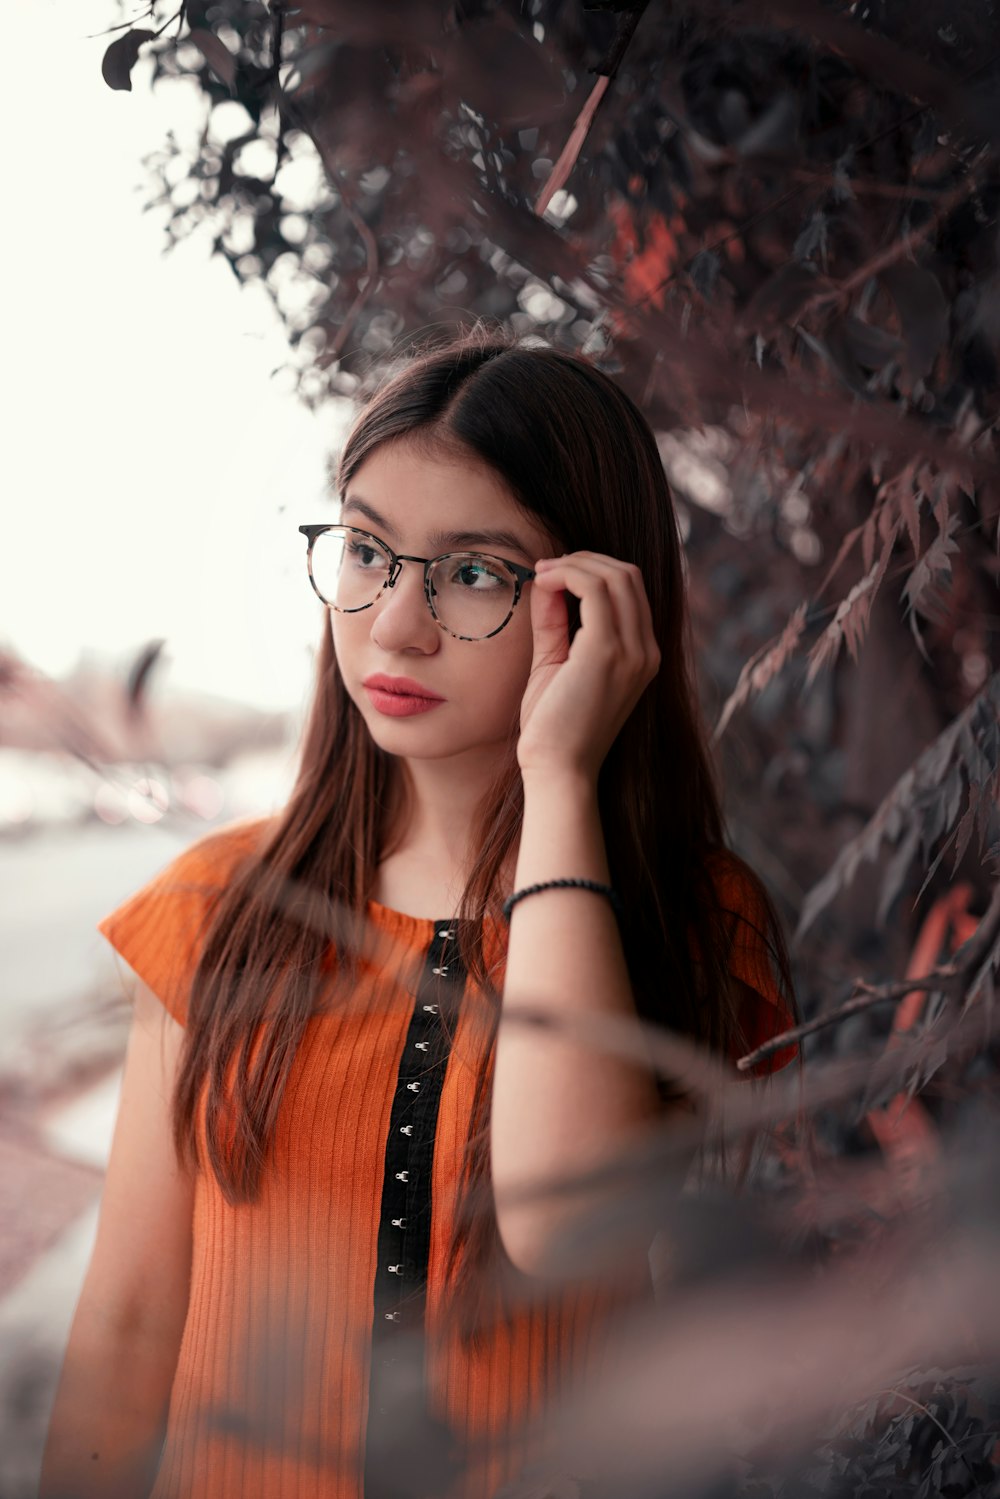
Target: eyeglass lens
471 595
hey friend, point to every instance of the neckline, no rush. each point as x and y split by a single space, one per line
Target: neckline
423 928
427 925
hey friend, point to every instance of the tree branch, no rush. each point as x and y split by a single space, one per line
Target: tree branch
900 247
948 978
364 292
606 70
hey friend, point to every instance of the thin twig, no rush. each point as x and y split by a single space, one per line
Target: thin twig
278 8
870 185
628 20
336 179
92 36
178 15
372 265
931 1416
882 995
567 157
899 248
793 192
947 978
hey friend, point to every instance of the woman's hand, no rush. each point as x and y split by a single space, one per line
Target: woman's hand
578 696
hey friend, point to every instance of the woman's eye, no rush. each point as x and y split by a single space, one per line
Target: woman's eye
471 574
364 554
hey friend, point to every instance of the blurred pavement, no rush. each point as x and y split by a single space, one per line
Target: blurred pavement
64 1021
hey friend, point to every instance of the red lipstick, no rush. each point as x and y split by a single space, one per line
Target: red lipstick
399 697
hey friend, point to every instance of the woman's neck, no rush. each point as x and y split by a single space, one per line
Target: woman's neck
429 832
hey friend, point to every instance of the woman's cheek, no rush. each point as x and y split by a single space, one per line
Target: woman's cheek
348 642
503 694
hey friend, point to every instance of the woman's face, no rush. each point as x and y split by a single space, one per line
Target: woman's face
425 506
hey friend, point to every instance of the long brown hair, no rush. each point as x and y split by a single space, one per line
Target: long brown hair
577 454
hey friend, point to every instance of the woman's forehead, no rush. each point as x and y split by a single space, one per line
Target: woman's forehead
407 493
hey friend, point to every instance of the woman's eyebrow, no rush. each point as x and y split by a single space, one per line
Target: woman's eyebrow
442 539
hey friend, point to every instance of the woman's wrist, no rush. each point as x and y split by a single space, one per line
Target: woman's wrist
597 887
561 834
571 783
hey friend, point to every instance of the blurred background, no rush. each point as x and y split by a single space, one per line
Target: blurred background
780 232
155 466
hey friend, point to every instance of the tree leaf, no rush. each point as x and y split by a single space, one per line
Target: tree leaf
196 12
932 569
835 353
944 809
121 57
868 540
485 58
895 873
782 296
215 52
984 808
820 896
923 313
372 25
774 131
909 508
964 831
845 547
951 800
871 346
704 271
851 619
812 240
762 666
906 799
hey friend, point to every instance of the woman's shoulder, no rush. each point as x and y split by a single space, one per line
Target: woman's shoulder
747 911
724 882
757 958
735 885
160 928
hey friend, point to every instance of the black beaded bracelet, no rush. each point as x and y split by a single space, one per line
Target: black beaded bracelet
594 885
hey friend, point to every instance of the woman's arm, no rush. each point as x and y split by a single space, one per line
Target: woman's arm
559 1108
110 1409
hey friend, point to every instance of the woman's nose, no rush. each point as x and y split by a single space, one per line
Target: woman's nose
401 614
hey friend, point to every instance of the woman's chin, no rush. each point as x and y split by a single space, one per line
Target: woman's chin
409 736
414 739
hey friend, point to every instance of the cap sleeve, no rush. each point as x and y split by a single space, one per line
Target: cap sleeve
765 1012
160 930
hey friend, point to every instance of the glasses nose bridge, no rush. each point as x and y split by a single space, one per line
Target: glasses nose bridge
396 568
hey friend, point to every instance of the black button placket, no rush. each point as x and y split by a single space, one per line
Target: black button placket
405 1223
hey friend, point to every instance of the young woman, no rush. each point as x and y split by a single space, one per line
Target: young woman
505 800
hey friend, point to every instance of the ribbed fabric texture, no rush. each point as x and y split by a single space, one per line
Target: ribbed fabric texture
270 1395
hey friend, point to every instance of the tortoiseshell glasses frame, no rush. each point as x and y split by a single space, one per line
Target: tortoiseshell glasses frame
519 572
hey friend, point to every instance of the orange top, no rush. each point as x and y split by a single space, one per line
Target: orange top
305 1303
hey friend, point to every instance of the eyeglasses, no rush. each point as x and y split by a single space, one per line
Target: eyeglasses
470 594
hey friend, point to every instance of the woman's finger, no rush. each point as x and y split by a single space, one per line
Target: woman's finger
647 633
626 593
549 626
592 588
645 636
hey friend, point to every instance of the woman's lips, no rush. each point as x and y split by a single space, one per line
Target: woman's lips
400 704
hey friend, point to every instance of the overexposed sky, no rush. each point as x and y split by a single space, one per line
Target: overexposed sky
153 469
